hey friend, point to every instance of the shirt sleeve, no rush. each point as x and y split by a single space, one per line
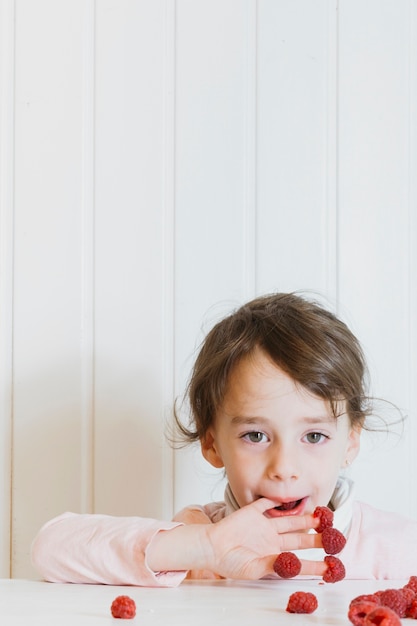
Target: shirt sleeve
100 549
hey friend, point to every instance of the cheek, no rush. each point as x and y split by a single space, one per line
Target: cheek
241 470
340 453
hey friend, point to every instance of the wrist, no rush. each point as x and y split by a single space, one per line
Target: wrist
180 548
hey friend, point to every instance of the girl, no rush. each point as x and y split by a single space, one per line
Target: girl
277 399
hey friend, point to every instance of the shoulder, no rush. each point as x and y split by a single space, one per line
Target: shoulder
380 521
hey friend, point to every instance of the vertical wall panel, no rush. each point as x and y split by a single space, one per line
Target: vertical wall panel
211 109
249 218
46 467
412 249
296 104
87 258
168 253
129 257
6 274
374 217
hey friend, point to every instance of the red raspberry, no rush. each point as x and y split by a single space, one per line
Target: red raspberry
408 594
411 610
358 610
326 518
382 616
333 540
123 607
366 597
412 584
302 602
395 600
400 602
335 569
287 565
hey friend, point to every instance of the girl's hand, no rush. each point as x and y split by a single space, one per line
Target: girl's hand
243 545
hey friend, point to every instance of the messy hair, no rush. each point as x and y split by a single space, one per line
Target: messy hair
309 343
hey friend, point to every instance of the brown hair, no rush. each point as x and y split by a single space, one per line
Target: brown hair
309 343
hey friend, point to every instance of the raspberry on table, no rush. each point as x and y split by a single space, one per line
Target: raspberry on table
326 518
385 607
333 540
411 610
366 597
123 607
408 594
287 565
382 616
359 609
302 602
412 584
335 569
395 600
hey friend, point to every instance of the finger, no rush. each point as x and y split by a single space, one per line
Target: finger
313 568
300 541
308 568
262 504
293 523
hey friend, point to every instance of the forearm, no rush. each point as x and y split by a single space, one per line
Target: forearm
99 549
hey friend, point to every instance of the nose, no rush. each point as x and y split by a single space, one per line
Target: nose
282 463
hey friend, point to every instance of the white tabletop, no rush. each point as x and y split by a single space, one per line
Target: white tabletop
201 603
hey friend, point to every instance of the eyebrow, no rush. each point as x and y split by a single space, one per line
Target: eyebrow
319 419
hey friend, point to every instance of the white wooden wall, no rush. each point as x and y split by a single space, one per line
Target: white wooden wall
161 161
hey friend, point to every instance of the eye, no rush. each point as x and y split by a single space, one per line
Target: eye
255 437
315 437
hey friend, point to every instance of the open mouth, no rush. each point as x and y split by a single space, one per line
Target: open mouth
288 506
293 507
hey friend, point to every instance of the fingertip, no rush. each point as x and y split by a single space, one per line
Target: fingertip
263 504
315 521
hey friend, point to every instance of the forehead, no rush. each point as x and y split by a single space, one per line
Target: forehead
256 384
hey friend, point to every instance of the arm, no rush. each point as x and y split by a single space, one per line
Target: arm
146 552
100 549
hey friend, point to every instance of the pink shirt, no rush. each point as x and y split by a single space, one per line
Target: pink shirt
380 545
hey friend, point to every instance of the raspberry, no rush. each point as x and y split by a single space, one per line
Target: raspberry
412 584
333 540
302 602
393 605
411 610
366 597
287 565
123 607
326 518
408 594
358 610
335 569
395 600
382 616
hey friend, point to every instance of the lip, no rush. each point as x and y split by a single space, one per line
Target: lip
293 509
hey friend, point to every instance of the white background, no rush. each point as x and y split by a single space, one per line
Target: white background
161 162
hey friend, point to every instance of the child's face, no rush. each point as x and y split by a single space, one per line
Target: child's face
277 440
